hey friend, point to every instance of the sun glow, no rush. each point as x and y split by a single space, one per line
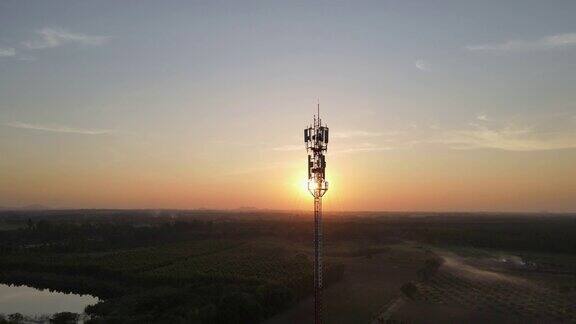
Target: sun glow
303 184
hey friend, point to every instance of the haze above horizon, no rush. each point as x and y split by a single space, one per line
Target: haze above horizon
444 106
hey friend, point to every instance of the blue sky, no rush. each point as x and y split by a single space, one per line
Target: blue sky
103 93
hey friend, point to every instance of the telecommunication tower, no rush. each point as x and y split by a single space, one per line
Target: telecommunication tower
316 138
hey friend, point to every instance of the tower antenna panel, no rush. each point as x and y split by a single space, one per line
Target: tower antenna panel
316 139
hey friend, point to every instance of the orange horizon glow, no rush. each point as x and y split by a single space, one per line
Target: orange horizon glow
356 183
204 106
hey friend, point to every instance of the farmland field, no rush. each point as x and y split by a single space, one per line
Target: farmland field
492 287
226 267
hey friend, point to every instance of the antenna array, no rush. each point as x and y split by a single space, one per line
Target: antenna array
316 139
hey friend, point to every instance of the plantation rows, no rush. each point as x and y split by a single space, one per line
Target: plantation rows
199 281
252 261
517 298
143 259
182 263
124 262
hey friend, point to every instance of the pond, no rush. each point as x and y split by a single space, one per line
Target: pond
31 301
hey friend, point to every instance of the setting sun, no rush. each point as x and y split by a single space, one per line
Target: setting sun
281 162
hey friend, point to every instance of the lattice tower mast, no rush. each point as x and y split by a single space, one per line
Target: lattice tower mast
316 138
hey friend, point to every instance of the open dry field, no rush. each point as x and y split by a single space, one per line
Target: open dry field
480 289
473 285
368 283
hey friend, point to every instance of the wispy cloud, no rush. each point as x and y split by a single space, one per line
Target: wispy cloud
355 134
552 132
547 132
545 43
481 131
509 138
266 167
285 148
363 147
59 129
7 52
482 117
26 58
54 37
422 65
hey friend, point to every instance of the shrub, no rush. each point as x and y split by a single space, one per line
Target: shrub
64 318
15 318
409 289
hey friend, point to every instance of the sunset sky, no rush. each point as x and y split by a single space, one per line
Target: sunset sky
432 105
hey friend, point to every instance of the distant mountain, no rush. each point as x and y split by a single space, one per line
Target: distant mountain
27 207
34 207
246 208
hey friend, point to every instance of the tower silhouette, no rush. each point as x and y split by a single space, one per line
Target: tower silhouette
316 139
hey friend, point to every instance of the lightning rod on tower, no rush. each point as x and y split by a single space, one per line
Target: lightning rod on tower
316 139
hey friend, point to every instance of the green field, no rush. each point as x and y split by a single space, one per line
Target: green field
263 275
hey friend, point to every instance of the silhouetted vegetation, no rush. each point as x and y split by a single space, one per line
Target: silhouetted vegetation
409 289
226 267
64 318
430 267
